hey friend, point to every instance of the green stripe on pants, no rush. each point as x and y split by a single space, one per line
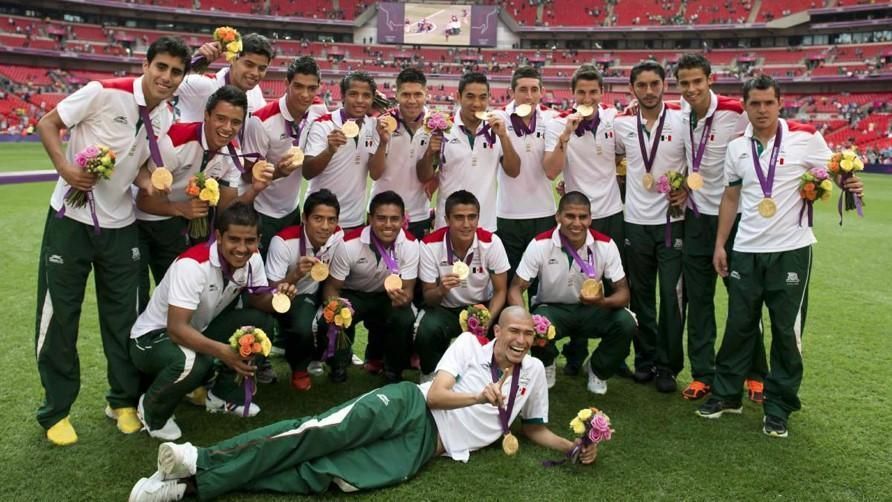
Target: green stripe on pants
780 282
67 254
379 439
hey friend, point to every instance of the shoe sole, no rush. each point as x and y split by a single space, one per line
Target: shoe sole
136 489
168 461
774 434
718 414
694 397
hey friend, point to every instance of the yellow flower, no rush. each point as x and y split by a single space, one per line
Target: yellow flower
212 184
859 165
551 332
209 195
846 165
339 321
584 414
577 426
849 155
235 47
463 320
826 185
346 316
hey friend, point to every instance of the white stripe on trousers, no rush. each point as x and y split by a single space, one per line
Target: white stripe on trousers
46 315
333 419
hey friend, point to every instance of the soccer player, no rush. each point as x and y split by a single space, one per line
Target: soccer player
383 437
472 152
190 318
341 163
772 256
652 142
407 144
123 114
293 253
246 72
446 293
563 259
375 270
271 132
711 122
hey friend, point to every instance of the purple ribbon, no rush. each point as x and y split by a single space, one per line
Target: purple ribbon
649 161
359 123
486 131
587 266
505 414
809 205
697 157
332 335
767 183
571 455
248 385
231 152
90 201
395 113
450 254
387 254
294 131
196 60
520 128
253 290
589 125
154 151
859 204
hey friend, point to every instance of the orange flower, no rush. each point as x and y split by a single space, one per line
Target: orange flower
328 315
809 187
811 195
246 340
256 348
245 351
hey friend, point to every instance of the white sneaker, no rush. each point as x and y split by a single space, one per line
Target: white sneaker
426 377
550 375
155 489
176 461
315 368
595 385
357 361
216 405
170 432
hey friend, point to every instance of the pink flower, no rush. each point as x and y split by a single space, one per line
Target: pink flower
473 324
819 173
663 184
437 122
81 160
91 151
600 422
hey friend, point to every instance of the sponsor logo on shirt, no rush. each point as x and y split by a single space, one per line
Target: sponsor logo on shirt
384 399
552 261
56 259
212 287
735 274
792 279
120 119
454 141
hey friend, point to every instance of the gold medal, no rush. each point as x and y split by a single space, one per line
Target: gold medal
281 303
319 271
510 444
393 282
162 179
591 288
482 115
350 129
648 181
523 110
695 181
258 171
296 155
767 207
461 269
585 110
389 123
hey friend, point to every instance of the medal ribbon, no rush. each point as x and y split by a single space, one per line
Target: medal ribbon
589 125
387 254
450 254
521 129
649 161
697 157
505 414
294 130
767 183
395 113
254 290
485 131
359 122
587 266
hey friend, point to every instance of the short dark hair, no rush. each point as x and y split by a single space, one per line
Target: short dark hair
237 213
255 43
762 83
321 197
472 77
230 94
692 62
385 198
358 76
574 198
525 72
411 75
586 72
303 65
649 65
173 46
461 197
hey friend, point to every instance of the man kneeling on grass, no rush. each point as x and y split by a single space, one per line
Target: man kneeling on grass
382 437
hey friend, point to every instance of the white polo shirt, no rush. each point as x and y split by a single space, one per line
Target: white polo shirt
182 151
560 277
347 171
269 132
193 94
530 194
195 282
467 429
590 162
284 253
728 122
489 257
107 113
649 207
802 148
472 169
400 175
360 267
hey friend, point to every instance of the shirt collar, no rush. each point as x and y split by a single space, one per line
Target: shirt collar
687 109
556 238
283 108
459 122
783 123
366 236
137 91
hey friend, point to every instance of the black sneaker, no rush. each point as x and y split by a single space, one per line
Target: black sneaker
338 374
665 381
773 426
644 375
715 407
625 372
572 369
265 373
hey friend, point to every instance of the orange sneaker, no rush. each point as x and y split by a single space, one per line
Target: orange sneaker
696 390
755 391
300 380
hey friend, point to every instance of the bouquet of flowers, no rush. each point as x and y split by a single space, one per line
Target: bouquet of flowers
249 342
592 426
844 164
338 314
208 190
230 40
95 159
436 122
475 319
670 182
814 185
545 331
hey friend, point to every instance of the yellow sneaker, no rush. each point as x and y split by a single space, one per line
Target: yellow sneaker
198 397
62 433
128 422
